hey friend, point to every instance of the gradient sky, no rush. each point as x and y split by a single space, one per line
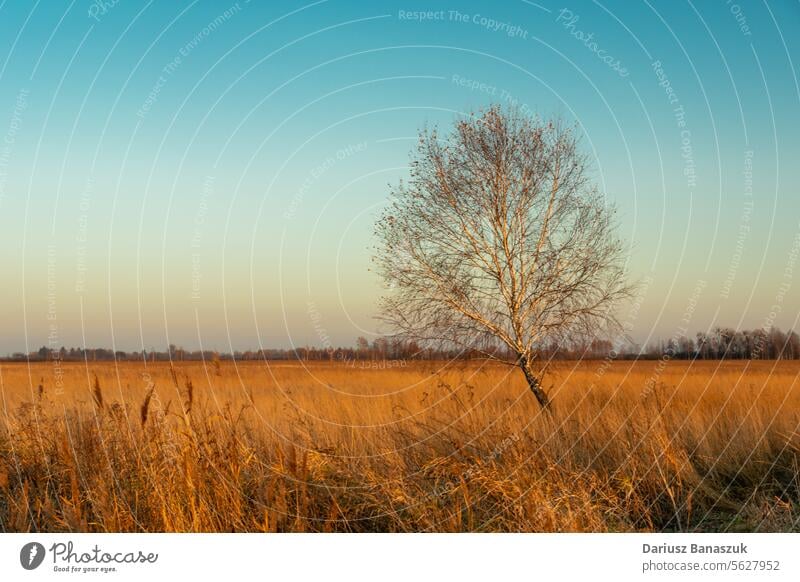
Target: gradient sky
207 173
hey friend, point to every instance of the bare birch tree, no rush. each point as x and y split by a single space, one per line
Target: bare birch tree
499 242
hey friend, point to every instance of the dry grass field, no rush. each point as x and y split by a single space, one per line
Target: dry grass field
422 447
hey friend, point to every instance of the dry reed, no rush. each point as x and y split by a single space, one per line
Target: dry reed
427 447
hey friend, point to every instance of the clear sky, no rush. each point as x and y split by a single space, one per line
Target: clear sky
207 173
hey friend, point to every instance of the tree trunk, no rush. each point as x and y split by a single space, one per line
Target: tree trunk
534 384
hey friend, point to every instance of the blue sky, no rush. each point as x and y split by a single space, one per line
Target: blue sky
207 173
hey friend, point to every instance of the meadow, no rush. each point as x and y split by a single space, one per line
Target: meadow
400 447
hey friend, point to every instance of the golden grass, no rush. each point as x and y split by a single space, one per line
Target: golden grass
425 447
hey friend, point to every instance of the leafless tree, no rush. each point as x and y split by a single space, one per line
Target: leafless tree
499 242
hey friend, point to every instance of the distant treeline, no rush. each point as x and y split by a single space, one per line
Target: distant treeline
727 343
721 343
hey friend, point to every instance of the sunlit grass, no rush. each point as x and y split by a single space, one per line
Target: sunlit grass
423 447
